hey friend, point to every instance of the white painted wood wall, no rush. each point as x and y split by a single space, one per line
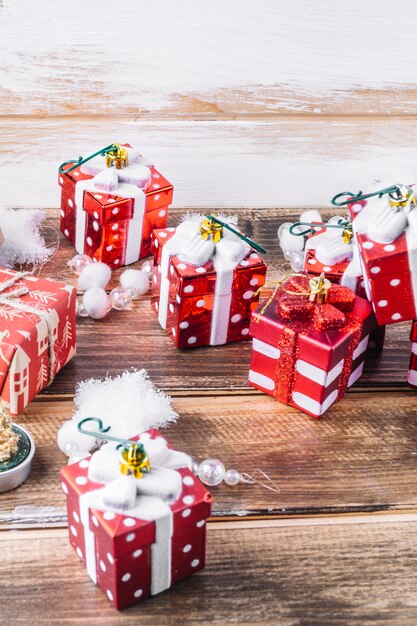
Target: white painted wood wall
239 103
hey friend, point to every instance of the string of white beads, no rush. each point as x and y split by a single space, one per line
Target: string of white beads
212 472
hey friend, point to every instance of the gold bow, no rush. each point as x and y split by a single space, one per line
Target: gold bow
211 228
118 157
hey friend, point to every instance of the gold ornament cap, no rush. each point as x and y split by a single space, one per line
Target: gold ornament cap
134 461
401 196
118 157
319 289
210 228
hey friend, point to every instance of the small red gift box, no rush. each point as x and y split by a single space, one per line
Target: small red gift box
150 541
412 372
307 354
387 239
204 292
110 213
37 334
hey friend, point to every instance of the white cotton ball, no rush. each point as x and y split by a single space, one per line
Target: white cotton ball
73 443
312 215
291 243
94 275
96 302
135 280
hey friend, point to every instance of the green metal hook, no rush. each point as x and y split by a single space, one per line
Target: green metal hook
342 225
253 244
100 434
352 198
76 163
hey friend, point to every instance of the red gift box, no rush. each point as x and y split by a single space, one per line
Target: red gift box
325 251
412 371
110 214
156 541
387 239
207 302
37 334
307 354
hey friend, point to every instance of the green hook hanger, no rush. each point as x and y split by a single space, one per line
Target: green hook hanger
253 244
351 197
101 433
343 225
77 162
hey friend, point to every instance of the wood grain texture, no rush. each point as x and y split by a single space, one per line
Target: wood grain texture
361 457
349 574
231 163
103 346
199 58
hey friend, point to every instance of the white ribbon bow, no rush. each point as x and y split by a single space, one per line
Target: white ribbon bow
108 179
383 223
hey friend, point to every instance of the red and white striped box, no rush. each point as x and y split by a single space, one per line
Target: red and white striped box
387 240
208 302
300 357
110 214
153 544
412 371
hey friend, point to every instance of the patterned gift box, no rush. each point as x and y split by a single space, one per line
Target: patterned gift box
307 354
156 540
204 292
110 213
387 239
412 371
37 334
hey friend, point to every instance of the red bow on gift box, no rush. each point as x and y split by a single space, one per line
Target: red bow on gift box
294 303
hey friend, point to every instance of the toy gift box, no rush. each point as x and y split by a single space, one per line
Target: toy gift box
110 213
37 334
327 251
412 372
204 292
307 354
136 543
387 239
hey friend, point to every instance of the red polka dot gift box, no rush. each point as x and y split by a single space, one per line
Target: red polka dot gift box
109 213
37 334
204 288
412 372
136 536
308 353
387 239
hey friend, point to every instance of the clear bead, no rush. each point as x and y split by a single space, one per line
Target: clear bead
284 226
147 267
211 472
296 261
194 467
79 262
120 298
71 448
232 477
81 310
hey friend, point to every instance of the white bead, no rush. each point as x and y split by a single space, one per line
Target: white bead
284 226
81 309
94 275
232 477
291 243
120 298
211 472
296 260
194 467
96 303
79 262
71 448
135 280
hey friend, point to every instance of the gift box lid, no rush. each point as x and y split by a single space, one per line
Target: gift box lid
192 280
122 533
324 349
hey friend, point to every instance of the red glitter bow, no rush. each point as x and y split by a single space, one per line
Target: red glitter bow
329 315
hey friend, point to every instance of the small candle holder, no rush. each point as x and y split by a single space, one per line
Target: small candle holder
16 452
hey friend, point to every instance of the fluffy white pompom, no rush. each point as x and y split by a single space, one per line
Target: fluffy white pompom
94 275
136 280
290 242
129 403
96 303
23 242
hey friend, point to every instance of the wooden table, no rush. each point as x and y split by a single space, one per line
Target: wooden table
335 546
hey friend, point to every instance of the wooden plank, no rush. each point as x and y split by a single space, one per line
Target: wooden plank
102 345
342 574
360 458
270 163
206 58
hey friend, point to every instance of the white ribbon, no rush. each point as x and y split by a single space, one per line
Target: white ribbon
384 224
145 498
128 182
190 247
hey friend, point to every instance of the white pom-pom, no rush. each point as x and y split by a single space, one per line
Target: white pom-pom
135 280
73 443
96 303
291 243
310 216
94 275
